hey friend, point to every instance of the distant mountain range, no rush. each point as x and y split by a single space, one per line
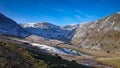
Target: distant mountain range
34 45
47 30
94 35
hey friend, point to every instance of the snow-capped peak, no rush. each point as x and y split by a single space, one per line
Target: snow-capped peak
28 25
118 12
70 27
39 25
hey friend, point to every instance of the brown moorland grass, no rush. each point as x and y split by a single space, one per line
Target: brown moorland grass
114 61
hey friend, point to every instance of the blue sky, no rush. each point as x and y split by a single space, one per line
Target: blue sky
59 12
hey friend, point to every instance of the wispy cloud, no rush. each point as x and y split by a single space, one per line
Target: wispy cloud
59 10
81 13
73 14
53 9
78 17
83 16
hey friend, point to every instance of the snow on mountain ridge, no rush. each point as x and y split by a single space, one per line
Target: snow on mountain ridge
39 25
118 12
98 34
10 27
29 25
70 27
47 30
49 25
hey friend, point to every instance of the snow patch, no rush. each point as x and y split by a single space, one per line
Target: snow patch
29 25
113 23
48 48
96 21
98 29
118 12
51 49
117 28
107 19
96 47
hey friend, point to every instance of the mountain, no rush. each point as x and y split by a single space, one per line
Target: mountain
20 54
10 27
96 35
50 31
43 40
40 25
70 27
46 45
103 34
17 52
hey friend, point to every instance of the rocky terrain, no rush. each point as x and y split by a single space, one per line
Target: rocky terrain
96 35
103 34
47 30
89 44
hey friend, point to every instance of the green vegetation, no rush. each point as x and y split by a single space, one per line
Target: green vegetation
13 56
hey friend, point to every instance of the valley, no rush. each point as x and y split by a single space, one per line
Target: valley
94 44
67 54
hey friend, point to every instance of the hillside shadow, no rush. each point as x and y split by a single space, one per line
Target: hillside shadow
55 34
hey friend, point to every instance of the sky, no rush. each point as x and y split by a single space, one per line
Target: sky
58 12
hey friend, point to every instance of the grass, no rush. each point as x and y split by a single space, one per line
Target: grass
19 55
114 62
89 51
13 56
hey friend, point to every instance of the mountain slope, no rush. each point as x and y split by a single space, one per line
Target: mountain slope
16 54
50 31
10 27
100 35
